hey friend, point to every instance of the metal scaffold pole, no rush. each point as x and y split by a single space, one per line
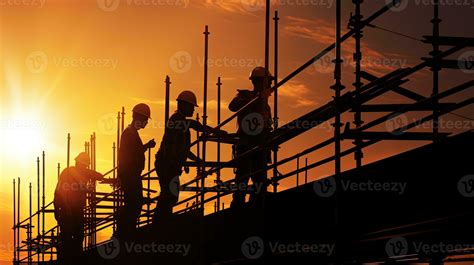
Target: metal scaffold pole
114 176
14 222
204 116
356 20
44 204
337 87
275 100
436 67
30 225
123 120
18 218
38 194
167 99
218 174
198 153
68 149
148 187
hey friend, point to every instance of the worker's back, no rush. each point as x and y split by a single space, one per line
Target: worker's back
72 188
174 148
256 115
131 154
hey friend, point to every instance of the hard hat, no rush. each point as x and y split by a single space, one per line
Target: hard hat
142 109
83 158
189 97
259 72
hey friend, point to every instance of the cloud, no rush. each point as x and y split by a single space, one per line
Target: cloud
244 7
322 31
298 94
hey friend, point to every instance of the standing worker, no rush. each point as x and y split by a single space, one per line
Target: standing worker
130 167
69 202
174 151
253 125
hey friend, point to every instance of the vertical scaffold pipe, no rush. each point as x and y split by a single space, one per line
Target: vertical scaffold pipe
204 116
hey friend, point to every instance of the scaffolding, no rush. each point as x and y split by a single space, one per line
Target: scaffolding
101 209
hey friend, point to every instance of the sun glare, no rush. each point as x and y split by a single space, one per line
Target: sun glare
21 136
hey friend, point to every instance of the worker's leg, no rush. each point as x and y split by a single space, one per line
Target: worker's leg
129 213
241 179
259 188
77 238
169 194
65 250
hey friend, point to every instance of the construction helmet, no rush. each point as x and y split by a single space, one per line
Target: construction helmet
259 72
189 97
83 158
142 109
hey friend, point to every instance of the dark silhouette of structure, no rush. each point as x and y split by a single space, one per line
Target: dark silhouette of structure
346 226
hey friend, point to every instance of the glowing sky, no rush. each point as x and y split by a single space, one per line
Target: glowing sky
68 66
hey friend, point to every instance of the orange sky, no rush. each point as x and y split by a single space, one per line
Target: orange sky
69 66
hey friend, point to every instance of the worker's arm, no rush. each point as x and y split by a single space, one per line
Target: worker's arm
193 124
194 157
239 101
150 144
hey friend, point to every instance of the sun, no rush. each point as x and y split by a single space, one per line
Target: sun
21 136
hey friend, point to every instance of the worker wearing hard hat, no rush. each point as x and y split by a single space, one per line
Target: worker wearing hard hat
174 151
130 167
253 124
69 202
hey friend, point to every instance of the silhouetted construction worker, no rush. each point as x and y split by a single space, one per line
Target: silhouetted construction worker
69 202
130 167
174 151
253 124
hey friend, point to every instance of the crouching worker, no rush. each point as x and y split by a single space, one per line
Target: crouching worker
69 202
174 151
